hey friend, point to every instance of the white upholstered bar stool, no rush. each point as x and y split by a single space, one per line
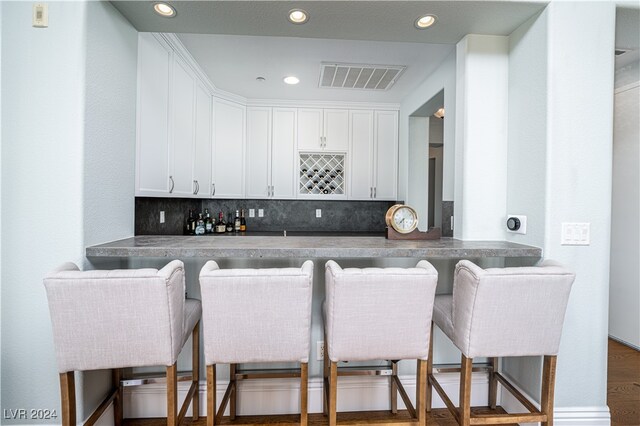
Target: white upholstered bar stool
119 319
503 312
255 316
378 314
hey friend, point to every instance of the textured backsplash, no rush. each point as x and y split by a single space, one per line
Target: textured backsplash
292 215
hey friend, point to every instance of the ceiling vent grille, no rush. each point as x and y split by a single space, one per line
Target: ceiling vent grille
359 76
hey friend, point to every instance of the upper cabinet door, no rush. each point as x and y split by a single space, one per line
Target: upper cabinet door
258 152
283 153
386 155
182 134
228 146
152 151
310 131
336 129
202 147
361 158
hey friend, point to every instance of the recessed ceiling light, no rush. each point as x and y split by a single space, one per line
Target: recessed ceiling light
439 113
163 9
298 16
291 80
425 21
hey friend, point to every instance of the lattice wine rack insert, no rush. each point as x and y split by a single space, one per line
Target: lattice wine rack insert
322 174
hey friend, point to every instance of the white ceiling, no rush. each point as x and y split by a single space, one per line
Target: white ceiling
233 63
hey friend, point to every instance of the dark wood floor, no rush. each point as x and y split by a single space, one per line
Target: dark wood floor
623 385
439 417
623 398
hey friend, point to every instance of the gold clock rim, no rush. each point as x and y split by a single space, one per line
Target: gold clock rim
415 223
389 216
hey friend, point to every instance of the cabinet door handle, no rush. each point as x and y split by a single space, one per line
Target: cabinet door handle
172 184
371 192
273 190
195 187
375 190
213 191
198 187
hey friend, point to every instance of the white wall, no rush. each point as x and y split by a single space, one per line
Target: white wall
567 179
418 188
624 292
444 77
436 135
45 77
481 137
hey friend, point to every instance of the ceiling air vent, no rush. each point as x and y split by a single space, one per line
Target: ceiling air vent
359 76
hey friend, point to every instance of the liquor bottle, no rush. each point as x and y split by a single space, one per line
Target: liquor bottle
243 222
236 222
200 225
191 223
229 223
208 222
220 225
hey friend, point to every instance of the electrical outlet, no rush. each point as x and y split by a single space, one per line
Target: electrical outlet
318 212
252 212
260 212
319 350
161 216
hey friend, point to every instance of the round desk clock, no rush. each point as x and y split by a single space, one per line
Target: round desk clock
402 218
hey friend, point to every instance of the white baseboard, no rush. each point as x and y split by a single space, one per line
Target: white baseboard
562 416
281 396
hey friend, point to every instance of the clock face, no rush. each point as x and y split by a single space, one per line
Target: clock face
402 218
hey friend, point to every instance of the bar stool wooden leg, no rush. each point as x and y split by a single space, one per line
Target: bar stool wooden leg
394 387
465 391
548 386
325 385
195 360
211 395
172 395
429 372
304 392
493 383
333 393
232 397
68 398
421 394
116 377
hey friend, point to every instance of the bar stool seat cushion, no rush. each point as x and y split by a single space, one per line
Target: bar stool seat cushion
501 312
256 315
146 324
378 313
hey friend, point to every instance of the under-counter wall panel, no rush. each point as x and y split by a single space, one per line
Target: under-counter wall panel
154 62
229 149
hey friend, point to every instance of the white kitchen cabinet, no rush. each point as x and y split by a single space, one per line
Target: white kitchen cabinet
182 130
386 155
270 165
284 154
152 147
228 149
202 147
374 155
323 130
258 152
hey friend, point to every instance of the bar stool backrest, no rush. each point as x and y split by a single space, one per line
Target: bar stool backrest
379 313
116 318
509 311
256 315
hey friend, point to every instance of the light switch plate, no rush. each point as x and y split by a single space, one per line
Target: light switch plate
576 234
318 212
260 212
252 212
40 15
161 216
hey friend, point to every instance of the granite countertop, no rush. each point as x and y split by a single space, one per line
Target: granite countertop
314 245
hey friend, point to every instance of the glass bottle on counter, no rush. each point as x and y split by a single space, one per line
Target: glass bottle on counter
243 222
236 222
229 223
200 225
191 223
220 225
208 222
